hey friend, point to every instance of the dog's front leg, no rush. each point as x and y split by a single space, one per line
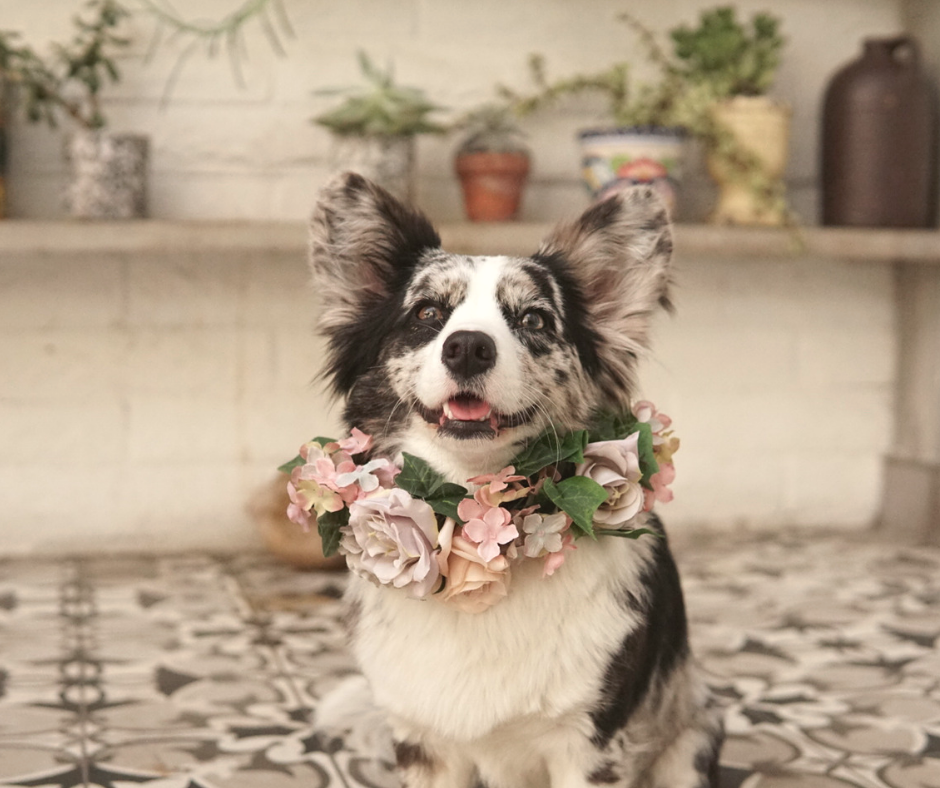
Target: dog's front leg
421 765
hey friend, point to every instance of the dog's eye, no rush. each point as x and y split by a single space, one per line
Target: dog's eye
429 313
532 320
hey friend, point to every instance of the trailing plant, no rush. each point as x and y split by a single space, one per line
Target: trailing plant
69 80
214 35
691 78
730 58
380 108
490 128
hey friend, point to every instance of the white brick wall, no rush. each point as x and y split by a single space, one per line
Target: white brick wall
143 398
219 151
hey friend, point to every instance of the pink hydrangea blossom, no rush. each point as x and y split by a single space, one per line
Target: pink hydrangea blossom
544 533
487 526
357 442
660 482
554 560
497 489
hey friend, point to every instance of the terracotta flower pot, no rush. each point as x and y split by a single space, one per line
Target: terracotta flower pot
492 184
761 126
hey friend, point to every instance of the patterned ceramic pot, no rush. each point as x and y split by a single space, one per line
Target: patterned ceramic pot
109 175
388 161
617 158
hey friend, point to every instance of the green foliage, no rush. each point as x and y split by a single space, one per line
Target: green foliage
550 449
70 79
490 128
329 526
728 57
578 497
420 480
381 108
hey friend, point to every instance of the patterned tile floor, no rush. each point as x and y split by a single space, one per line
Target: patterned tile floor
200 672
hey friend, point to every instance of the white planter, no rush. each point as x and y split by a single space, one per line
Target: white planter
617 158
388 161
109 175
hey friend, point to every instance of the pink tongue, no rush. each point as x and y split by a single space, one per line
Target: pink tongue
468 409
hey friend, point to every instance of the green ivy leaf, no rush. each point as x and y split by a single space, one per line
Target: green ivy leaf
648 463
419 479
329 526
447 506
550 449
612 426
287 467
632 533
578 497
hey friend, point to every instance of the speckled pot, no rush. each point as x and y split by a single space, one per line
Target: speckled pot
387 161
109 175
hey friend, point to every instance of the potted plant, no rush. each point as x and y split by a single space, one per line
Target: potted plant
108 170
492 162
734 65
375 126
643 143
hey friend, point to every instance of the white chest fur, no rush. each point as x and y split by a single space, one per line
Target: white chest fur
540 653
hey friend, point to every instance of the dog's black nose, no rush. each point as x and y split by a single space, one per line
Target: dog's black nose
469 353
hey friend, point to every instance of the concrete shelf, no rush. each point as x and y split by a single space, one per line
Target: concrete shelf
693 240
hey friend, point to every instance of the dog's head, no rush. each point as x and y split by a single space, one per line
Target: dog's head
473 355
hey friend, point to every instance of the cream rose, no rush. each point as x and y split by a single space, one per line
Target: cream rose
391 540
473 585
615 465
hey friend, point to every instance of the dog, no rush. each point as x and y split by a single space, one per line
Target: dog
581 679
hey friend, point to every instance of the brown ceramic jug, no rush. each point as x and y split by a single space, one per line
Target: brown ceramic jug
879 158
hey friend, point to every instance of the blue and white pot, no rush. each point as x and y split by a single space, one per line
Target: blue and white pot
617 158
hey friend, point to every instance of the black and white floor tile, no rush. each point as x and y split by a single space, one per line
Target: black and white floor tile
203 672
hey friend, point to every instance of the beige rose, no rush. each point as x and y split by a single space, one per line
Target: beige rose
473 585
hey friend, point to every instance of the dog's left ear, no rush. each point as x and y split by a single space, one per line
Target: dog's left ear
618 253
362 242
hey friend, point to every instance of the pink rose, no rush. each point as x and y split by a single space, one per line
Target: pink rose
391 540
615 465
473 584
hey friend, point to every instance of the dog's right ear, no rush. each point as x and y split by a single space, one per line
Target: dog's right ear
363 243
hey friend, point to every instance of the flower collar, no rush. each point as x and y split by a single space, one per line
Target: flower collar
410 529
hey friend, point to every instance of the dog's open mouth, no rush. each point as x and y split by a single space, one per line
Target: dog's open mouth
468 416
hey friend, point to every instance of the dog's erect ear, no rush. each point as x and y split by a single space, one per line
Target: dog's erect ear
362 242
618 253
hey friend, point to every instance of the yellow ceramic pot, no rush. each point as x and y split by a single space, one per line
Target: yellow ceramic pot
762 127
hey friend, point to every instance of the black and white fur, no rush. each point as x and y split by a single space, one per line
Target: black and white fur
580 679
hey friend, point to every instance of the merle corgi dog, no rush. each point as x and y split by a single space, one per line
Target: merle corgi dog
580 679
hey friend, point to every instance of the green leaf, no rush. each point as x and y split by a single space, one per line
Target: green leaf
550 449
287 467
329 526
418 478
648 463
447 506
578 497
633 533
612 426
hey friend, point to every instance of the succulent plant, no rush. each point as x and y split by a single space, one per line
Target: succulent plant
490 128
381 108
